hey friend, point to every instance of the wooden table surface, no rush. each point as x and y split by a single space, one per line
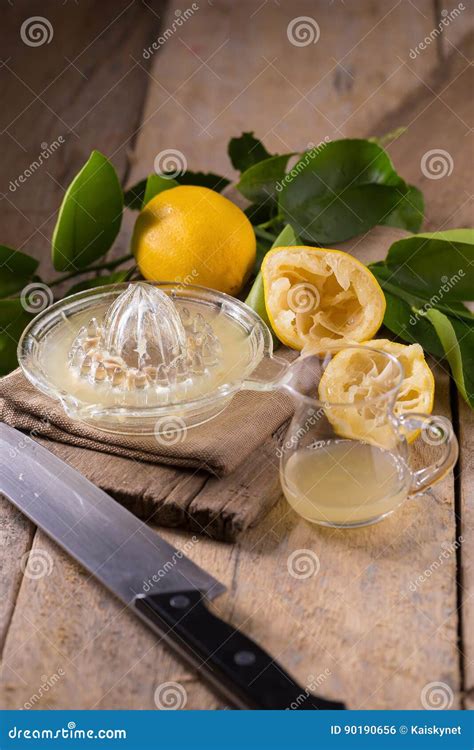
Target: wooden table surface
364 629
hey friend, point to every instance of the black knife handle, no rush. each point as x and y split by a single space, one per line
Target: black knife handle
234 663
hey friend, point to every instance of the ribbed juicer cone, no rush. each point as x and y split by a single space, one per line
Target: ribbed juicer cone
144 341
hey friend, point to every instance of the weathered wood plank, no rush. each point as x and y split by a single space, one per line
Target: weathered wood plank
68 630
82 87
364 622
16 535
434 151
466 552
441 118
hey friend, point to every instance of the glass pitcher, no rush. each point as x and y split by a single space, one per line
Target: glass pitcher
344 459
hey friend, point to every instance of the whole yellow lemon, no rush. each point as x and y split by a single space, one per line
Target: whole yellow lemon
194 235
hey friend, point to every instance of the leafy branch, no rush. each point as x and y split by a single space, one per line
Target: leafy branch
325 195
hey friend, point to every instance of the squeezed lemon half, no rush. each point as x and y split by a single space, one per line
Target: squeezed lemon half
317 299
358 378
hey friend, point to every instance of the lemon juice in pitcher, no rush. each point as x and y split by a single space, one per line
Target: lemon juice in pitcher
344 482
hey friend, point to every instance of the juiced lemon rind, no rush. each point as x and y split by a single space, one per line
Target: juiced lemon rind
354 379
319 298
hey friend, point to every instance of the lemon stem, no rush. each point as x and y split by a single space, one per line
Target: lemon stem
100 267
271 222
263 234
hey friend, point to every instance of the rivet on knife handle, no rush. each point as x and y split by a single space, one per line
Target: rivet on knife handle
248 674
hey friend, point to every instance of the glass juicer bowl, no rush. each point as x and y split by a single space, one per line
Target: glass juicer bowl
129 358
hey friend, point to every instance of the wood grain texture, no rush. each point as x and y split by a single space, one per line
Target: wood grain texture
67 625
466 556
439 118
16 535
364 629
348 621
84 87
232 68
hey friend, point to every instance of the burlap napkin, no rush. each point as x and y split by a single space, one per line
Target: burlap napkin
218 446
219 480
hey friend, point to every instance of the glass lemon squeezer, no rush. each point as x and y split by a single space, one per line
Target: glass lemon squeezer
129 358
135 358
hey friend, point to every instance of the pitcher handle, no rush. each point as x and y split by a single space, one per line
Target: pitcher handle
435 431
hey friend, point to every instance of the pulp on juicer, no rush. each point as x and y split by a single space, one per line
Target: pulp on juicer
144 349
144 342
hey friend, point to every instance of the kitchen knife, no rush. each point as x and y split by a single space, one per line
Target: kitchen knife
163 587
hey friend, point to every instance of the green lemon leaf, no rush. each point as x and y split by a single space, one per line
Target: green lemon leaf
261 182
343 189
388 138
142 192
90 215
262 249
16 270
13 319
451 235
139 194
113 278
433 267
409 211
259 213
457 338
155 185
203 179
287 238
256 297
404 322
246 151
418 303
133 197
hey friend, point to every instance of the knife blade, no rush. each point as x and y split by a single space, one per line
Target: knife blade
158 582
